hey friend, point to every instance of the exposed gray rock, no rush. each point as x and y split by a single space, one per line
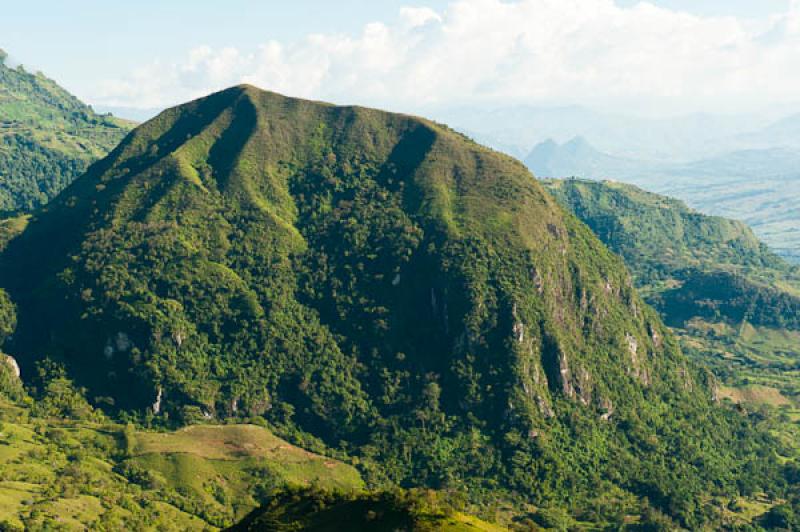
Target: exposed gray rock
583 386
608 409
565 376
157 403
657 341
544 407
518 328
12 363
636 368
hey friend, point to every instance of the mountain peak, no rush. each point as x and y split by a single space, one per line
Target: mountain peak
578 144
548 144
352 274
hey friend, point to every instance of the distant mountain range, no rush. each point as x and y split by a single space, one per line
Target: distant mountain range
515 129
783 133
745 167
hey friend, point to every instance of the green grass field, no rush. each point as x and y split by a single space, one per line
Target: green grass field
58 475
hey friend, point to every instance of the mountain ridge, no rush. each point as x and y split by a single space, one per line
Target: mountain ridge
48 137
377 282
758 186
733 302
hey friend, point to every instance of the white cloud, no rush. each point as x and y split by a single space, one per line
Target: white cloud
494 51
415 17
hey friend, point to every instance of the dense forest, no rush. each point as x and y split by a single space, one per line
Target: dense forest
377 287
47 138
731 301
687 264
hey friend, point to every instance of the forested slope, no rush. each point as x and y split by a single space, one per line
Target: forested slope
380 285
47 137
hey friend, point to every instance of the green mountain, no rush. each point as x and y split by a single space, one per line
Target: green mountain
758 186
380 285
735 304
687 263
47 137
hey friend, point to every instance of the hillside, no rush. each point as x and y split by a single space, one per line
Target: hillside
379 284
662 240
85 472
47 137
760 187
688 264
734 303
94 474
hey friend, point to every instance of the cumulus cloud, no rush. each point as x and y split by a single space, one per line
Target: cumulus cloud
495 51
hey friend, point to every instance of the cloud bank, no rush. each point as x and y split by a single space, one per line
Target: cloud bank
498 52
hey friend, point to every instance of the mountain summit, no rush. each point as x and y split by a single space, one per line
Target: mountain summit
373 280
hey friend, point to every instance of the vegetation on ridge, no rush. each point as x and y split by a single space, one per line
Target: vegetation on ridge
47 138
675 253
732 302
379 285
315 510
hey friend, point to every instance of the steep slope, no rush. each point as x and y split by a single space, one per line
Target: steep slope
659 236
98 475
381 283
47 137
734 302
690 265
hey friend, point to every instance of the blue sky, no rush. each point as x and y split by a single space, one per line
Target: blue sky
105 51
81 36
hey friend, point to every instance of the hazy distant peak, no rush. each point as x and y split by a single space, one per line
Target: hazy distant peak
546 146
578 144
